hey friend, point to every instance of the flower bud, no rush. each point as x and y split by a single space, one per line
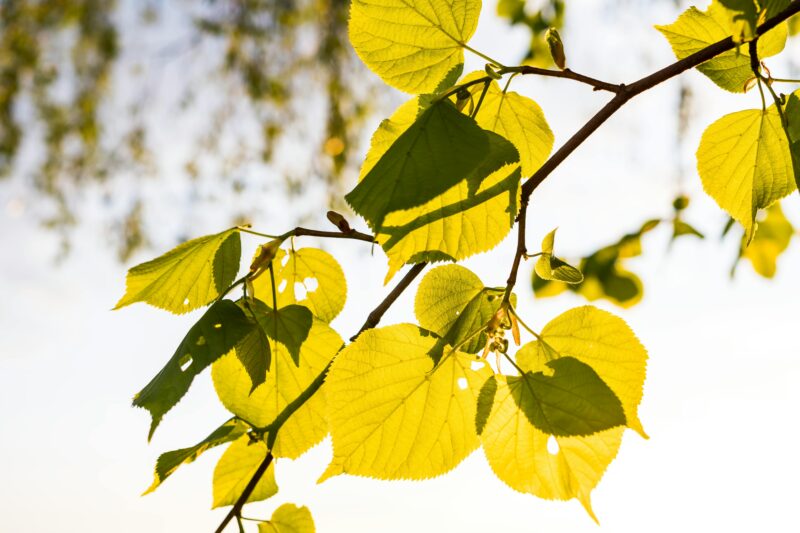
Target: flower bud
556 48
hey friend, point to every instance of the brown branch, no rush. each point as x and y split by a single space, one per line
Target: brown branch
352 234
272 429
598 85
622 96
236 510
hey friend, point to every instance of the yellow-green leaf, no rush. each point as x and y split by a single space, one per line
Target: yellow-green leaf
745 163
601 340
235 469
190 276
551 268
311 271
518 119
284 382
169 462
471 217
289 518
772 238
412 44
392 415
695 30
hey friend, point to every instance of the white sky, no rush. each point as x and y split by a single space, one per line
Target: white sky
720 398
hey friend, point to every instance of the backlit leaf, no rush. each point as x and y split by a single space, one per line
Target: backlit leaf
289 518
771 239
314 272
393 416
190 276
169 462
695 30
745 163
284 382
552 268
412 44
217 331
235 469
289 326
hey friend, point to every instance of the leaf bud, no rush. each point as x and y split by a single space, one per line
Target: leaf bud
680 203
266 253
339 221
556 48
491 72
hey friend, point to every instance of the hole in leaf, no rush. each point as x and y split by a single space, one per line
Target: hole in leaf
284 260
476 365
299 291
186 301
458 313
552 445
462 383
282 286
217 325
200 340
185 362
311 284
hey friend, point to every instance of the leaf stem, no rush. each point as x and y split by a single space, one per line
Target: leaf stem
274 306
568 74
246 229
483 56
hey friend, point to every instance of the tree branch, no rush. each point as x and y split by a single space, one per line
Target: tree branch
352 234
272 429
598 85
622 96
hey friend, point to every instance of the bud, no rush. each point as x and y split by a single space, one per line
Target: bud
463 97
515 329
339 221
491 72
556 48
266 253
680 203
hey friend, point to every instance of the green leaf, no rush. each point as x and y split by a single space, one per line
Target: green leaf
572 400
792 113
254 353
745 163
188 277
217 331
290 326
471 217
695 30
453 303
436 152
412 45
289 518
392 414
552 268
316 271
679 228
518 451
235 469
516 118
772 238
169 462
285 381
743 18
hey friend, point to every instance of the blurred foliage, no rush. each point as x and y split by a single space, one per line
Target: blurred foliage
774 232
80 86
537 17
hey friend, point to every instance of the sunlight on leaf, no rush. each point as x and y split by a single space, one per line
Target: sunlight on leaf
289 518
235 469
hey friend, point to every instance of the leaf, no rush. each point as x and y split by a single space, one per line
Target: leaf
745 163
695 30
392 414
290 325
235 469
289 518
435 153
792 113
679 227
571 400
772 238
319 275
601 340
284 383
254 353
187 277
453 303
217 331
471 217
412 45
743 18
518 119
552 268
169 462
518 451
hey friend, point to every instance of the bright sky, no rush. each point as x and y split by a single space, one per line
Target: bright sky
720 398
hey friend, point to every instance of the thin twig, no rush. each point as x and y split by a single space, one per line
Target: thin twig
352 234
236 510
598 85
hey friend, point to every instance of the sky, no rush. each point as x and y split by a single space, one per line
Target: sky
720 397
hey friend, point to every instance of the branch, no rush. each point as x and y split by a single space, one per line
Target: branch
236 510
272 429
598 85
352 234
622 96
